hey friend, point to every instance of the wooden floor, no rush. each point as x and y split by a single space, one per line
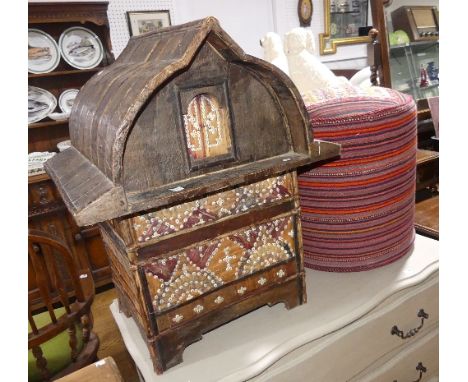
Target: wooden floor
111 343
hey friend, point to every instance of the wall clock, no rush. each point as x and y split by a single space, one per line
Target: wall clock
305 9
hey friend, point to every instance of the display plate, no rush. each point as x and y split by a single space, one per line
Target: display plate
66 100
43 52
81 48
59 116
36 162
40 104
64 145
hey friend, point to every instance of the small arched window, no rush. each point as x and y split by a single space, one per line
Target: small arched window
206 128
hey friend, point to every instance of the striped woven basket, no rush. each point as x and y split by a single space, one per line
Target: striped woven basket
358 211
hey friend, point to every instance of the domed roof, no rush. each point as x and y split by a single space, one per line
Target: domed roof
89 173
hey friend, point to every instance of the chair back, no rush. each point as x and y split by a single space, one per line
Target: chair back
58 283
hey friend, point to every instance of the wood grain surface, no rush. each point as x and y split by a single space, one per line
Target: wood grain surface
135 131
104 370
112 344
426 219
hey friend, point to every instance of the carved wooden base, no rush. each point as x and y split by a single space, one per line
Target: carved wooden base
167 348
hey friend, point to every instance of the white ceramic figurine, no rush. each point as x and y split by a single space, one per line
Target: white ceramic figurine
310 42
305 69
273 51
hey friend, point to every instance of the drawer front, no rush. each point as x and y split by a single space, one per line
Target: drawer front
41 194
419 361
373 335
341 355
176 278
151 227
227 295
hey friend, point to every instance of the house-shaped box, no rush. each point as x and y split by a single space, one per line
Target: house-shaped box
185 151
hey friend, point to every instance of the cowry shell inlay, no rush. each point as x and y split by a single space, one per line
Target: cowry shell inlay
198 308
177 318
219 300
281 273
262 281
241 290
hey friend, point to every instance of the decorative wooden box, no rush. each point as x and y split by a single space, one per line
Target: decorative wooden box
185 151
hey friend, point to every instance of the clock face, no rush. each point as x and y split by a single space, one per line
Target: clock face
305 12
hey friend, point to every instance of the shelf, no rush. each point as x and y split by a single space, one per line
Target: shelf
49 208
429 87
37 178
426 156
344 12
409 88
414 44
48 123
65 72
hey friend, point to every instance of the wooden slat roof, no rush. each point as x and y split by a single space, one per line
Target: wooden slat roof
88 175
106 107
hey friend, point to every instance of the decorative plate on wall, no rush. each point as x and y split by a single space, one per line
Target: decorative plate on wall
40 104
43 52
81 48
64 145
59 116
36 162
66 100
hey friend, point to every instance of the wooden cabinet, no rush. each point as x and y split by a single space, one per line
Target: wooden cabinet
410 67
46 210
416 362
427 170
406 62
198 207
399 59
388 341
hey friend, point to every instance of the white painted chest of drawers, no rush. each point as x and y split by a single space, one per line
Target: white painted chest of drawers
343 333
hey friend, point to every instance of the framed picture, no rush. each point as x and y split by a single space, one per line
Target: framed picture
347 16
140 22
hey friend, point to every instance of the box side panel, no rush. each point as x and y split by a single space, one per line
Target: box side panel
126 281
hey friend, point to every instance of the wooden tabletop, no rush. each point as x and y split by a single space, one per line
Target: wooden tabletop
423 156
37 178
104 370
426 219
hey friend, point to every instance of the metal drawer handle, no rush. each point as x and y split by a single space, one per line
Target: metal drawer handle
395 331
421 368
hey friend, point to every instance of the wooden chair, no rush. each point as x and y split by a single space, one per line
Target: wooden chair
66 294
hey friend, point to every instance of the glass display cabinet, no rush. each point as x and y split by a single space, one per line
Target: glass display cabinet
414 68
404 55
406 48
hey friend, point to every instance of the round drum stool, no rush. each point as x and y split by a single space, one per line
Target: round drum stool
358 211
